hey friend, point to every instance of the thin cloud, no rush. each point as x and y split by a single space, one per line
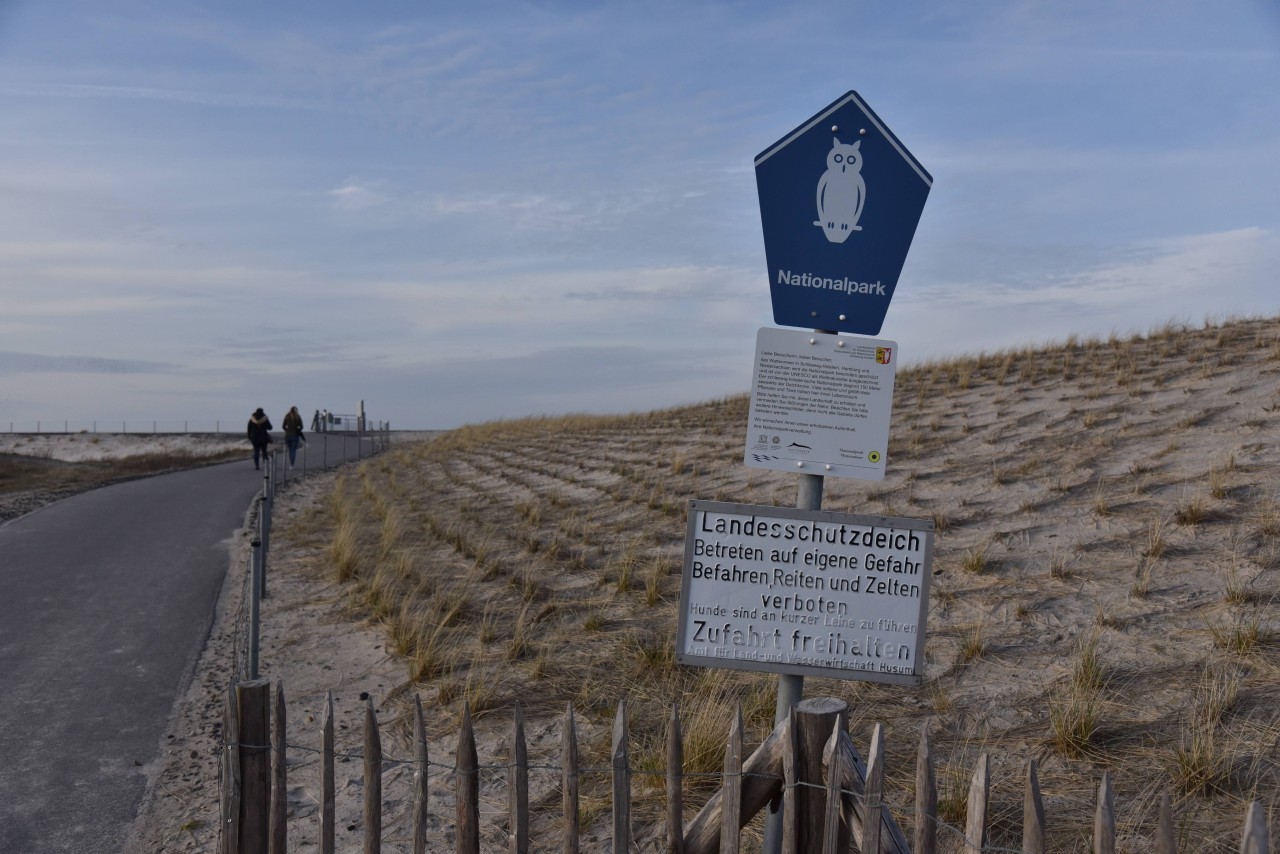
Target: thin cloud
85 306
1213 275
145 93
28 363
354 197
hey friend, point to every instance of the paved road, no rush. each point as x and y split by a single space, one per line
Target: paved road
108 599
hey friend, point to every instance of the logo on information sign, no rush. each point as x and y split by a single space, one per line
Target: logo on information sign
882 355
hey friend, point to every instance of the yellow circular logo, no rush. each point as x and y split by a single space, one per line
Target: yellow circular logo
874 456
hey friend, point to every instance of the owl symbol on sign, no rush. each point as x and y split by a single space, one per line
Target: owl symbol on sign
841 192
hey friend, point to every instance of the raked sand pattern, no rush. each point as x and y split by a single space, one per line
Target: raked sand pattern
1105 577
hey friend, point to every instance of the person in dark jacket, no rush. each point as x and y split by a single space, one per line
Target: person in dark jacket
292 426
259 433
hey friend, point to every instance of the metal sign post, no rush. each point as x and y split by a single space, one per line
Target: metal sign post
790 686
804 591
840 199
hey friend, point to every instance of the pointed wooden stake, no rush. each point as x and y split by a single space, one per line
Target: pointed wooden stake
926 835
731 788
421 769
1033 829
675 783
327 797
621 755
1254 840
975 824
518 786
873 792
569 783
1166 839
467 784
372 781
279 781
835 798
790 794
1104 818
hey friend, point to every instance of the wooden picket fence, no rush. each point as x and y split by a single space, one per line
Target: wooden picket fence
808 764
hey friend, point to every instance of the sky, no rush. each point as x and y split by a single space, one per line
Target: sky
459 212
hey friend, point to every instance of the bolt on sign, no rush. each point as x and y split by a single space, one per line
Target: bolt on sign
805 592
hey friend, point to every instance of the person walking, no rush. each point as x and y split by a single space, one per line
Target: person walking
259 433
292 426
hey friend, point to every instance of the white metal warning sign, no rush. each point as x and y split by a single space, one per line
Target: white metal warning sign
821 404
805 592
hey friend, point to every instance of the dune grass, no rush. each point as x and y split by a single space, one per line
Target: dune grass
1086 495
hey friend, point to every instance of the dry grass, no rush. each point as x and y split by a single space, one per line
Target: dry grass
538 559
29 480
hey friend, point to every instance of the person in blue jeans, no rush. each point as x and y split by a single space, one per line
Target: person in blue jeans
292 426
259 433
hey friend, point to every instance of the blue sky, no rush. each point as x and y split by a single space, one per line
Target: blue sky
466 211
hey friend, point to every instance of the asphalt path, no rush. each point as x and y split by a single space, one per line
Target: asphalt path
108 599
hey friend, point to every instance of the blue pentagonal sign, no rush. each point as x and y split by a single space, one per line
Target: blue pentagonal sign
840 198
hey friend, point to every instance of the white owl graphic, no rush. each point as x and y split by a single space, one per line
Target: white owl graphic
841 192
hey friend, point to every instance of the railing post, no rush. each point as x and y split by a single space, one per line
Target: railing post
264 525
255 601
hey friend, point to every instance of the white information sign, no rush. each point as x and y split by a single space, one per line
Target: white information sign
807 592
820 404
